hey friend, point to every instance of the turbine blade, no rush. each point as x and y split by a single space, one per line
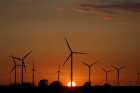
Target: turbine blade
67 59
13 69
85 64
115 67
93 64
109 70
24 66
27 54
12 59
17 58
104 69
68 44
80 53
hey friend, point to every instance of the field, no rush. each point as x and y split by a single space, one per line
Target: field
63 89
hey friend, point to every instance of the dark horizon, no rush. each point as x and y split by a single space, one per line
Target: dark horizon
108 30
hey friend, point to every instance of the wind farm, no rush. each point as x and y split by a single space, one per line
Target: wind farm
14 68
52 46
23 66
57 86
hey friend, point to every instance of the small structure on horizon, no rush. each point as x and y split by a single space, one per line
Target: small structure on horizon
58 73
33 75
138 78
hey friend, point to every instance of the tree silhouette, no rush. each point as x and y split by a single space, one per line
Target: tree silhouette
43 83
55 87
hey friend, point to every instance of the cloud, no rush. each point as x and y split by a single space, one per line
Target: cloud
108 1
111 5
93 13
111 10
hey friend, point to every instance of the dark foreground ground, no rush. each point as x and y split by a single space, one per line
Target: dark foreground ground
62 89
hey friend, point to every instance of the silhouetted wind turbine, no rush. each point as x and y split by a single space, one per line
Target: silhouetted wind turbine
118 73
22 59
89 67
58 73
33 73
106 74
71 58
14 68
138 80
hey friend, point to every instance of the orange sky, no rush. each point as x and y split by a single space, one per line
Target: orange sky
109 35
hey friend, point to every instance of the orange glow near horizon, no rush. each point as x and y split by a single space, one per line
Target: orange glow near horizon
73 84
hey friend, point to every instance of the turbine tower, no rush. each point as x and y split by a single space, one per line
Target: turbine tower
33 73
22 60
138 80
106 74
14 69
71 58
89 67
58 73
118 73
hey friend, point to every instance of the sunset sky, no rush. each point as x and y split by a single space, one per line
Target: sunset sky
108 30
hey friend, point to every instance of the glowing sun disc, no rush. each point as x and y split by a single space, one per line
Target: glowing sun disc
73 84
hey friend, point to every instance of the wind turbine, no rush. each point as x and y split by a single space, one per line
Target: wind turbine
22 59
14 68
138 80
33 73
106 74
58 73
71 58
118 73
89 67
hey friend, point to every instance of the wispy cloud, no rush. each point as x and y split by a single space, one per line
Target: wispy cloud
95 13
118 10
111 6
129 7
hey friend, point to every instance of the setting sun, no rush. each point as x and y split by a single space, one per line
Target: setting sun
73 84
